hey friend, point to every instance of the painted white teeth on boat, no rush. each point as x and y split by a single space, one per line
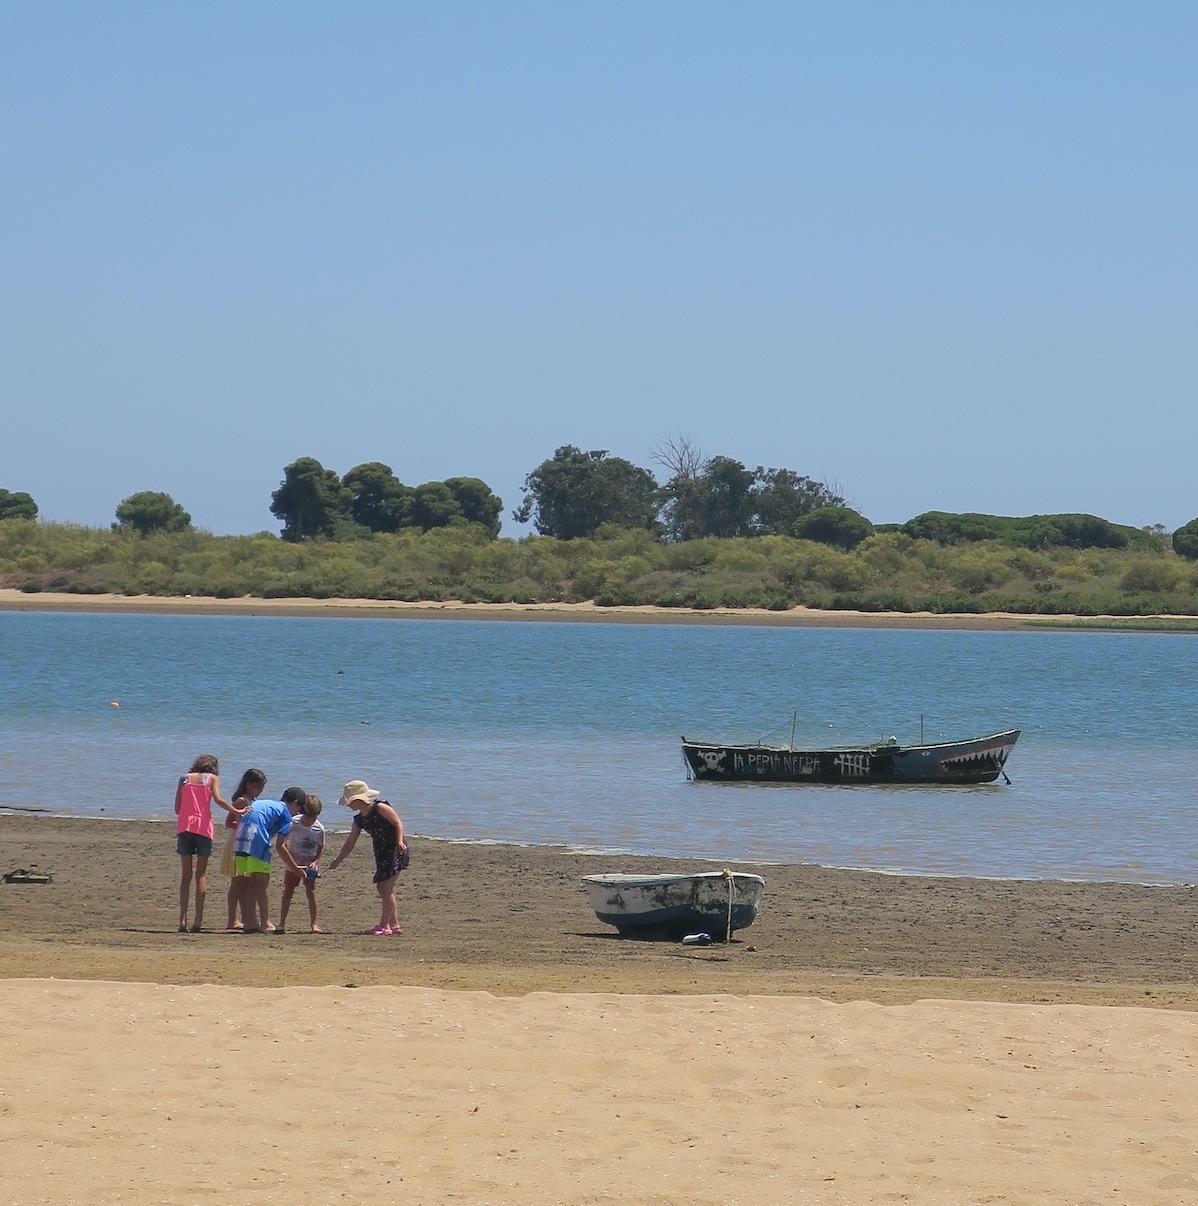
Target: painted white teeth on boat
996 754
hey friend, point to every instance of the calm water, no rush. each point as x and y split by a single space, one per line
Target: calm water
538 732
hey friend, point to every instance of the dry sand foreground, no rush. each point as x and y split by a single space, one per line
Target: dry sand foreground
336 1068
148 1094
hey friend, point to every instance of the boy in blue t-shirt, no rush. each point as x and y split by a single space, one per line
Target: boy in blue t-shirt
265 820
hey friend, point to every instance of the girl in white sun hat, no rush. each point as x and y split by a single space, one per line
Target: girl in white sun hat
383 824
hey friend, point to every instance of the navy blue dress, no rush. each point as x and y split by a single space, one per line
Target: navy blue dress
389 860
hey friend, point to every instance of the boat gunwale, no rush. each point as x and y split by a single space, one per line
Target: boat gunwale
875 747
625 879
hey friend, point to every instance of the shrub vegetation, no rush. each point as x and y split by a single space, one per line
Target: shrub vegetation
1185 540
889 571
1029 531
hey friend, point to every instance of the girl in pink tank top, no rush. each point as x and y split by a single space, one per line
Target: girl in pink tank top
193 806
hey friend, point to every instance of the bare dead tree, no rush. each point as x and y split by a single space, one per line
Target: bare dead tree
680 457
834 489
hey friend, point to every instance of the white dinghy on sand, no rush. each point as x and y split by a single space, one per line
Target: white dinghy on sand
673 905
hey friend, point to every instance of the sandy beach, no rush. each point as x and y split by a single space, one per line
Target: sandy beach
167 1094
871 1038
795 617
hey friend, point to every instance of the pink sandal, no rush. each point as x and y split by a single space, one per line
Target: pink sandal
380 931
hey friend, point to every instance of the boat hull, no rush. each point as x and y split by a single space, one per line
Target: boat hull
671 906
977 760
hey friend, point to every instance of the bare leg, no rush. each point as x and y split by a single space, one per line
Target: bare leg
185 861
201 892
262 899
233 900
248 902
386 891
289 882
310 888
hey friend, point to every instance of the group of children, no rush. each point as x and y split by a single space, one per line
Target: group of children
287 826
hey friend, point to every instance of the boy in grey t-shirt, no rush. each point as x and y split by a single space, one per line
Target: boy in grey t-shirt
305 842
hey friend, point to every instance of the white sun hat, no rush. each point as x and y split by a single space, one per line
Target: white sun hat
356 789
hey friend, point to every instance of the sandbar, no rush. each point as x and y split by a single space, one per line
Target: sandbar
795 617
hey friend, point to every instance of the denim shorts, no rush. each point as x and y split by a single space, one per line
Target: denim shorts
193 843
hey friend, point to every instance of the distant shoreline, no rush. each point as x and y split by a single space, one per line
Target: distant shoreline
358 609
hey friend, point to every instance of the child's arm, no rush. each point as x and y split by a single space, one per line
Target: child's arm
345 849
286 855
178 793
239 812
385 810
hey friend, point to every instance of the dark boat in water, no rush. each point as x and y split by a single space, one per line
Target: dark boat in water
977 760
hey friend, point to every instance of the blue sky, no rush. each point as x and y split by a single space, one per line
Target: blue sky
940 254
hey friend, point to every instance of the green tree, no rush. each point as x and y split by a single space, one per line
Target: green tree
17 505
728 502
841 527
378 499
573 493
1185 540
782 495
310 500
477 502
719 496
945 527
715 501
151 511
1029 531
1075 532
682 511
434 506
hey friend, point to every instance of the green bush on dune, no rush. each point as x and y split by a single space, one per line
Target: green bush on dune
888 571
1029 531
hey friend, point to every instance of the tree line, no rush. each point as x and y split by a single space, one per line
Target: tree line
571 495
574 494
313 501
578 495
